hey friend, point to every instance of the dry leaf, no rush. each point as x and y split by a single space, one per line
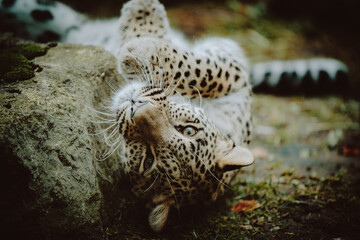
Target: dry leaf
245 205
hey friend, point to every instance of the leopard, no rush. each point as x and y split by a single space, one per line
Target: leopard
182 123
176 152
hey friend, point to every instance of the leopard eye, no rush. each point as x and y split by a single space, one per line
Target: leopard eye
189 131
148 162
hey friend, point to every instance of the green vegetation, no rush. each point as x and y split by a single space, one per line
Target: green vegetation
15 62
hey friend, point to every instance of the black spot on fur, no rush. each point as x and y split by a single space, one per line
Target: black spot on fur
210 74
227 75
187 73
198 61
192 146
203 83
197 164
229 88
197 72
192 83
202 169
180 63
236 78
219 73
211 87
8 3
41 15
177 75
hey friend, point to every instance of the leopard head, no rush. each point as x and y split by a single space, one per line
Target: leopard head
174 155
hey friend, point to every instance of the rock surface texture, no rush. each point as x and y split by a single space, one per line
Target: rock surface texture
50 183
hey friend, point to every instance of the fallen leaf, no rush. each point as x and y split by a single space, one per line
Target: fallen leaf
350 151
245 205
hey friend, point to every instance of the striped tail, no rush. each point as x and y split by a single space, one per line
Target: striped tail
310 77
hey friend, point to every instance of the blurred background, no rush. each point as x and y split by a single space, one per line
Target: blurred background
267 29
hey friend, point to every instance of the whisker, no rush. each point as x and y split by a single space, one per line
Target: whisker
108 153
112 87
152 182
200 97
97 119
111 135
213 173
101 113
173 192
104 130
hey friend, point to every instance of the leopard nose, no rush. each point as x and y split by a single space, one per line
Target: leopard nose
136 105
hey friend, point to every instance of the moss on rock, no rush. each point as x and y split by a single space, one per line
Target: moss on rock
15 62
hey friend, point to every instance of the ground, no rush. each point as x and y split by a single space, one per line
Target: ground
305 176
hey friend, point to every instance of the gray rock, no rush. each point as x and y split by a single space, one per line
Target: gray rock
50 183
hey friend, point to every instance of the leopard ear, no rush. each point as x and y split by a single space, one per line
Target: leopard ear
158 216
236 158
